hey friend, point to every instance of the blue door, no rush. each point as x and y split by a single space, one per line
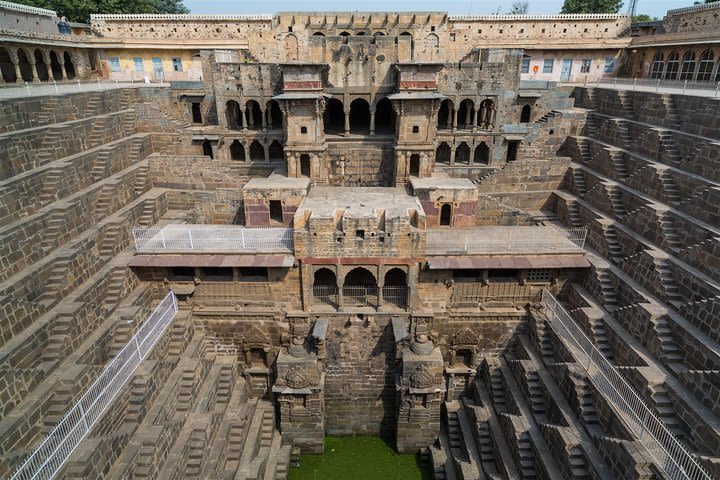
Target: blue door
566 69
158 69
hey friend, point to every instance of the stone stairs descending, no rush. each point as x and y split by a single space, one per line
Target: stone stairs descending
92 106
618 159
59 331
671 112
668 348
551 114
224 385
526 456
613 243
607 290
584 149
615 197
48 193
49 142
627 108
283 462
50 106
665 410
578 463
626 140
56 222
543 333
105 199
141 180
106 247
497 388
537 398
454 433
115 288
587 404
667 224
670 147
56 281
670 190
122 334
590 127
574 214
601 339
667 280
579 181
267 428
148 211
96 135
486 447
101 165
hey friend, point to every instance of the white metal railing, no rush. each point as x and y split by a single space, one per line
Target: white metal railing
709 88
213 238
488 240
669 454
63 87
47 460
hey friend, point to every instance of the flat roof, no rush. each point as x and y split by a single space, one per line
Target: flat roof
275 181
359 202
433 183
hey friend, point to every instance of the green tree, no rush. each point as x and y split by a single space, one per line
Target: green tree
643 17
591 6
80 10
519 7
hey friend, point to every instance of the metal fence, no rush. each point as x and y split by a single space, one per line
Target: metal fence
670 85
26 89
213 238
487 240
669 454
396 295
360 295
47 460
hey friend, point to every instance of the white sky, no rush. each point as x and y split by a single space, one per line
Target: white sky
656 8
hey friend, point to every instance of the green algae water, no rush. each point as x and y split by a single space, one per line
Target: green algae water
359 458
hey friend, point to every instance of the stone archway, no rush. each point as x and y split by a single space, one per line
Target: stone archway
40 67
360 116
69 67
334 116
7 67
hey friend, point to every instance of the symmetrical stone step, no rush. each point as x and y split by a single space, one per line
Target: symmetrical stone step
579 181
607 290
624 134
578 464
669 188
668 348
115 288
669 233
101 165
613 243
537 399
600 336
670 148
667 282
141 179
618 159
48 194
56 281
615 196
454 433
671 112
526 456
587 404
666 411
497 386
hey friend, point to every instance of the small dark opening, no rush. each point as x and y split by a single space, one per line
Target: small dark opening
207 149
237 150
512 149
416 129
196 114
182 273
248 274
257 357
464 357
303 129
503 274
305 165
415 165
218 274
445 214
525 114
276 213
360 234
467 274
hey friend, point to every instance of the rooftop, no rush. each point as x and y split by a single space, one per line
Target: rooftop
359 202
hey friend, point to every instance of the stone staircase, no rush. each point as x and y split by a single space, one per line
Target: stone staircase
92 105
615 251
115 288
47 115
671 112
147 214
96 137
56 281
600 337
101 165
497 388
104 201
667 346
615 197
607 290
578 463
454 433
579 181
670 147
623 131
627 108
669 233
584 149
56 222
51 183
112 232
590 127
587 404
526 457
669 188
551 114
665 410
141 179
618 159
537 398
57 336
670 287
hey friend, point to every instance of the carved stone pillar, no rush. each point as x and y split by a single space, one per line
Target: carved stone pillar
372 123
16 63
452 155
35 79
347 123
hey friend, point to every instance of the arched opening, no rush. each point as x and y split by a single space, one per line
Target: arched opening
464 357
378 34
7 69
276 152
196 113
344 34
445 214
69 67
359 286
232 115
207 149
237 150
487 114
395 287
412 46
688 66
415 165
305 165
462 153
656 70
291 48
360 116
445 115
384 117
55 66
253 115
465 114
512 149
482 154
706 65
318 34
334 116
325 286
360 33
274 115
25 67
442 154
673 65
257 152
525 114
432 44
40 66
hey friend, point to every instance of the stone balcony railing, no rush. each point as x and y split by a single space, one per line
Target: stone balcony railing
213 239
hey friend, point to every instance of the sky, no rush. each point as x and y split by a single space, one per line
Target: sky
654 8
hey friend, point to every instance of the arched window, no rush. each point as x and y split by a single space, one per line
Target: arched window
482 154
688 66
318 34
656 70
415 165
673 65
7 69
232 115
305 165
237 151
274 115
706 65
325 286
487 114
442 154
360 116
462 153
25 67
55 66
40 66
257 152
445 115
466 114
525 114
359 286
276 152
384 117
334 116
69 67
344 34
395 288
445 214
253 115
291 48
207 149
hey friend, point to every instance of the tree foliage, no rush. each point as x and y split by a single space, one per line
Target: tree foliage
80 10
519 7
643 17
591 6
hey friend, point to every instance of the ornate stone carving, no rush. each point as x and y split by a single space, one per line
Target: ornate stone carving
296 348
465 337
422 345
422 377
296 378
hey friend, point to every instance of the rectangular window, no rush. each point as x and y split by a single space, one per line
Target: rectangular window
218 274
585 65
138 64
114 64
177 64
525 67
538 275
548 65
609 64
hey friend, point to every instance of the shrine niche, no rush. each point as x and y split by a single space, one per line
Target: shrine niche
463 348
422 378
257 348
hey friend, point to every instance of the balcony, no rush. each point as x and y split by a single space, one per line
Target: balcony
360 296
212 239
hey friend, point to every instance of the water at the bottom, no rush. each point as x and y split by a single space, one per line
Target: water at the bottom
359 458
